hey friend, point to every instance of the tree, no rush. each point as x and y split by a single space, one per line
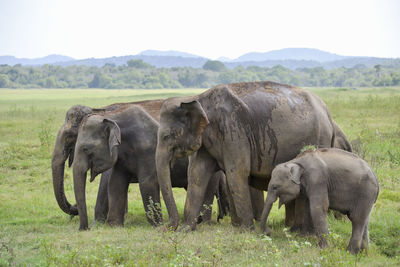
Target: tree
138 64
100 81
4 81
378 71
214 65
50 82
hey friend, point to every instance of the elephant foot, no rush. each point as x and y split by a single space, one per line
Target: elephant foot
303 229
355 247
295 228
96 223
353 250
187 228
322 243
199 220
154 223
83 228
267 231
115 223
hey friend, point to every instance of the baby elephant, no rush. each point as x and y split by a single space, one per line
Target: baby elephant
327 178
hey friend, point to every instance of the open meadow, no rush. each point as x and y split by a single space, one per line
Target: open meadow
35 232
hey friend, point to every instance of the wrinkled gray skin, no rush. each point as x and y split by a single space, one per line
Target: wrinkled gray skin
327 178
65 144
98 149
244 129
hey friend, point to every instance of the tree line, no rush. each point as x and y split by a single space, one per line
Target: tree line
138 74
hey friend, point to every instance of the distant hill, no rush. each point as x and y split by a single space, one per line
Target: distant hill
291 58
299 64
170 53
157 61
50 59
290 54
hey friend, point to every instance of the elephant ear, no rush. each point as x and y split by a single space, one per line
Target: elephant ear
115 135
295 172
197 117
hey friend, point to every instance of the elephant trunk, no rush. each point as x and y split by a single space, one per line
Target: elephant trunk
271 198
163 160
60 155
80 169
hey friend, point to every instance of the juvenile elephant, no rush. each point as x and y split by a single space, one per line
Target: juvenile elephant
65 146
244 129
327 178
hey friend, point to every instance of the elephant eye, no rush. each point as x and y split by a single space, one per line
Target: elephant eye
165 136
274 187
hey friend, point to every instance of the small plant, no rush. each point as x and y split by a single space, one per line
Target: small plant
154 212
7 255
308 148
174 239
205 212
360 147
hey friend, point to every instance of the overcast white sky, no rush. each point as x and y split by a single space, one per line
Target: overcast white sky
209 28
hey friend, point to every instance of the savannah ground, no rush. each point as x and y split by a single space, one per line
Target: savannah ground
35 232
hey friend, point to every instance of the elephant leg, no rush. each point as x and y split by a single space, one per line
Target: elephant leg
359 222
302 219
200 170
365 238
318 211
290 213
307 227
257 202
238 183
101 208
299 210
117 197
222 195
150 192
206 209
235 220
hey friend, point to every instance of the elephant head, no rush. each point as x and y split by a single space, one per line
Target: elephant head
96 149
285 184
179 135
63 150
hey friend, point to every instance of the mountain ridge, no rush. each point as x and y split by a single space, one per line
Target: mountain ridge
288 57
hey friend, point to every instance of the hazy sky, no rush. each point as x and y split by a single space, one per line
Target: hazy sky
97 28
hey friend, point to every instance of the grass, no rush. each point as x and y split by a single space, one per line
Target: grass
35 232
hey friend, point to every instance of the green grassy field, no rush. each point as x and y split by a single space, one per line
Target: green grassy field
35 232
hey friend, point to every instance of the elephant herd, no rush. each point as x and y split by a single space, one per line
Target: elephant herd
233 141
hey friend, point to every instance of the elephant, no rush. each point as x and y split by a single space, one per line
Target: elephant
244 129
65 146
327 178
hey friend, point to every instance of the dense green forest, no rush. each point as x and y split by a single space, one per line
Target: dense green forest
138 74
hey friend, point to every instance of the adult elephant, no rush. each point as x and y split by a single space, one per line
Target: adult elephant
245 129
65 146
